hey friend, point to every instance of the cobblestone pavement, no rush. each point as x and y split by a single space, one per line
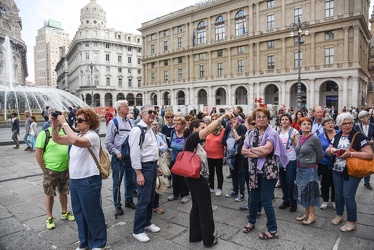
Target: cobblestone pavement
23 216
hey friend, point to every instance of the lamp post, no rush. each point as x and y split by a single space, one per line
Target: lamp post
91 66
299 26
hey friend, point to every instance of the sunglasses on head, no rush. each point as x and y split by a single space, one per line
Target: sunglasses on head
152 111
80 120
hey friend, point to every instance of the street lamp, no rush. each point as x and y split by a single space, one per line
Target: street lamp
91 66
299 26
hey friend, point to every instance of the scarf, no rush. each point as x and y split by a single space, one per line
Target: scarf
217 130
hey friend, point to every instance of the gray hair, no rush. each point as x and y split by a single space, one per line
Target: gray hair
340 119
144 108
119 103
363 113
326 119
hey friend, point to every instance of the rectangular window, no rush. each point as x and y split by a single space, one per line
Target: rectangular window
179 42
166 62
108 82
179 28
119 37
296 59
139 83
139 71
152 49
129 39
165 45
107 68
139 61
329 9
220 68
87 56
153 79
107 45
270 21
219 53
153 37
271 62
180 74
153 65
298 13
180 59
270 4
201 70
271 44
107 57
166 32
129 71
96 44
240 66
129 49
329 35
119 59
87 45
201 56
129 60
119 70
240 50
166 75
329 56
120 82
130 82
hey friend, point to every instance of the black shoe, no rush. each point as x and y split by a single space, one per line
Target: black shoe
16 147
367 185
293 208
229 176
119 211
135 194
28 149
130 205
245 207
284 205
214 242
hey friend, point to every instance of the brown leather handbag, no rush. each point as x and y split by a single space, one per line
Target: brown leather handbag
359 167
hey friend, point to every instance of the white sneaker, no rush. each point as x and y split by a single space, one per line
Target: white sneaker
219 192
333 205
172 197
211 190
323 206
152 228
78 248
142 237
97 248
185 199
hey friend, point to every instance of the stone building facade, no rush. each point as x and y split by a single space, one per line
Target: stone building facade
226 52
101 62
11 26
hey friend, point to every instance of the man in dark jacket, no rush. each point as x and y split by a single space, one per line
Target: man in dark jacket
15 129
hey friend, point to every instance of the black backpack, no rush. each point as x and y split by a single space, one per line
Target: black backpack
48 137
125 148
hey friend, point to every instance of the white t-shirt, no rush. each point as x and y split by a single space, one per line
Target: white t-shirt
291 153
81 164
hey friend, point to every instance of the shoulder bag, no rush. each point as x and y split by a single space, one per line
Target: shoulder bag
187 164
104 164
359 167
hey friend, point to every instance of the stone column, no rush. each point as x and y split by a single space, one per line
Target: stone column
250 59
356 42
258 58
230 96
346 44
251 97
344 101
312 12
228 31
229 70
313 94
250 17
283 93
284 24
354 83
283 66
257 18
312 51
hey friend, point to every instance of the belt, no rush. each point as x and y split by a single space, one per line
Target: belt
150 162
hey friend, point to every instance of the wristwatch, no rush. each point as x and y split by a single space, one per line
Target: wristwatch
65 124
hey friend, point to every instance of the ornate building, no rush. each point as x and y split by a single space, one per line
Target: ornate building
370 96
101 62
226 52
11 26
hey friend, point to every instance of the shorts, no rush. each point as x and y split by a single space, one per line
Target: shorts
53 179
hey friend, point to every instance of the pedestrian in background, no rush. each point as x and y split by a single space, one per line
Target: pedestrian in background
15 129
27 130
33 132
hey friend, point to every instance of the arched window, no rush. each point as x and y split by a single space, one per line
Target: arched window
201 33
220 28
240 23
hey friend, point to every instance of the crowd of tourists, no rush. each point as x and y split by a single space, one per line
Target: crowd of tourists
304 153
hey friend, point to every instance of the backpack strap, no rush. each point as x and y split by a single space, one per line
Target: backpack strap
48 137
142 135
290 131
115 121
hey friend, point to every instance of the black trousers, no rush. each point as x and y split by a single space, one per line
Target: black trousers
201 215
215 164
327 182
179 185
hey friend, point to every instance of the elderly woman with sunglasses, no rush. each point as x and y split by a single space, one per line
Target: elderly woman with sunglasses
346 185
85 179
262 147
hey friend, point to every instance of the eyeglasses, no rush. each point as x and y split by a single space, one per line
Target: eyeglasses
253 124
347 124
177 123
152 111
261 117
188 120
168 117
80 120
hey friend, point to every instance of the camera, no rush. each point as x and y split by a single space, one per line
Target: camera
56 113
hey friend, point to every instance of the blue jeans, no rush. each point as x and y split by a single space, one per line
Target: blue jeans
128 181
146 195
238 183
86 204
287 178
33 142
263 195
345 194
25 138
367 179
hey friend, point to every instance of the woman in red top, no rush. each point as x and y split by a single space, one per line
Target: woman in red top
295 123
215 152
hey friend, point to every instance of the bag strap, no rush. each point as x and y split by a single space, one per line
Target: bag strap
94 157
353 140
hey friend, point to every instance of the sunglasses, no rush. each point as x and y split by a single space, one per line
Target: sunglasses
253 124
168 117
152 111
80 120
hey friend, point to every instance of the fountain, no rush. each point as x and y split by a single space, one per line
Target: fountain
17 98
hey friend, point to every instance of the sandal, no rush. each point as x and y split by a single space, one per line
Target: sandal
309 221
247 229
337 220
268 236
349 227
302 217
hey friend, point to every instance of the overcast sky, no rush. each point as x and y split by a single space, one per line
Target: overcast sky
121 15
